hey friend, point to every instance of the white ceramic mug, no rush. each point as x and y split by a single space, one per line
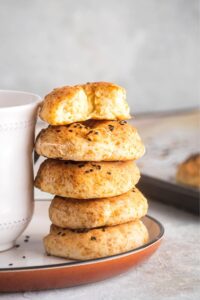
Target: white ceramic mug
18 112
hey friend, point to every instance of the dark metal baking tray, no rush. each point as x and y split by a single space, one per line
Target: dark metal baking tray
177 195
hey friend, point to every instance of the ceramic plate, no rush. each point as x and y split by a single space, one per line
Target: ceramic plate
26 267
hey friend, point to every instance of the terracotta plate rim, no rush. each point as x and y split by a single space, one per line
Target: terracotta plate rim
96 260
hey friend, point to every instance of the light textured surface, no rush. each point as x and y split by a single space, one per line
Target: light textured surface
149 47
171 274
168 140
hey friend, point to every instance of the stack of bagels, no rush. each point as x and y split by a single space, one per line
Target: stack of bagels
90 168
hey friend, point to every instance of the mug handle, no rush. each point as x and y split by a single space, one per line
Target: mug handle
36 157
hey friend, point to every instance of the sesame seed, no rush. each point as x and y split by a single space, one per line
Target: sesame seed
81 165
73 162
122 122
111 127
93 238
80 230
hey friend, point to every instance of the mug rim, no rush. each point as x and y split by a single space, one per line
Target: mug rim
37 99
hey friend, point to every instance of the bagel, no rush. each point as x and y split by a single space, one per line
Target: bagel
98 100
94 243
86 180
91 141
75 213
188 172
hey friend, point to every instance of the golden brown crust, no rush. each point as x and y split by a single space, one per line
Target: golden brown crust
97 100
91 141
95 243
188 172
75 213
86 180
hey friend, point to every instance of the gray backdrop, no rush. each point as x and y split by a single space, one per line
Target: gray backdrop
149 47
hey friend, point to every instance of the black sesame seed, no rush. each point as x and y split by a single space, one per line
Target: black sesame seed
24 257
73 162
122 122
10 264
59 233
26 240
27 236
98 167
57 130
103 229
63 234
96 132
81 165
93 238
17 246
87 171
70 130
111 127
91 170
91 131
109 173
89 140
80 230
